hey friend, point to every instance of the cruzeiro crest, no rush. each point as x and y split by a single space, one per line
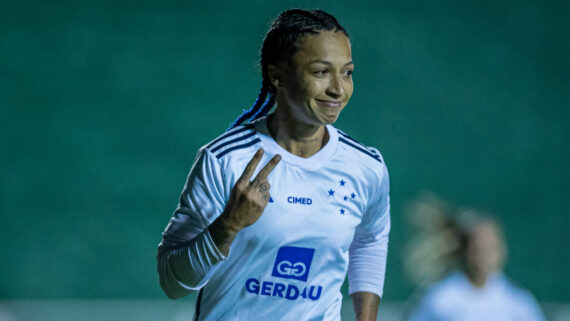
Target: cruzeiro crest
342 191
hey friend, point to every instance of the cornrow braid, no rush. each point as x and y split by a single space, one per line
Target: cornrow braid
265 108
279 45
260 102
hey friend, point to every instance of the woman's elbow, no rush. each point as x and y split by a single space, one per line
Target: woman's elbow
168 281
173 293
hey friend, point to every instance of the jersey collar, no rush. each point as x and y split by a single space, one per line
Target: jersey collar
317 160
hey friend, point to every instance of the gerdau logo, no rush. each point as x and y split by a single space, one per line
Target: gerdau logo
291 263
287 291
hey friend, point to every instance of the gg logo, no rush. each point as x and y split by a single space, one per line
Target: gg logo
293 263
286 268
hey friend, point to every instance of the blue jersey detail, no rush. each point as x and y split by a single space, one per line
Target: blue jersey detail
293 263
235 140
299 200
287 291
253 142
229 134
345 135
360 148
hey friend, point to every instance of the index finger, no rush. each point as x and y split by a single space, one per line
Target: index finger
264 172
252 165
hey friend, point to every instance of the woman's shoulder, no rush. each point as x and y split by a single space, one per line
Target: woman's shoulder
514 289
238 138
354 144
448 288
360 153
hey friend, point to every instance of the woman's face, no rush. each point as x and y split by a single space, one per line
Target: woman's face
485 252
318 84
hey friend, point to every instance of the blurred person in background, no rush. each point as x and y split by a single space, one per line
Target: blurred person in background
461 253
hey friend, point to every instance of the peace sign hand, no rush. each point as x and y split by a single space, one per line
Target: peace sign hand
247 201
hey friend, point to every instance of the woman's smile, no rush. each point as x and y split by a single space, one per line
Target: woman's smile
329 103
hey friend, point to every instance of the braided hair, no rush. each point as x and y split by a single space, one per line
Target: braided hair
279 45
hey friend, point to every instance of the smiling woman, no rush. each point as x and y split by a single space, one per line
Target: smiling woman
312 90
320 84
277 242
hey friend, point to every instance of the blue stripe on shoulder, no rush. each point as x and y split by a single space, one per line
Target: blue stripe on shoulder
245 145
230 133
360 148
235 140
345 135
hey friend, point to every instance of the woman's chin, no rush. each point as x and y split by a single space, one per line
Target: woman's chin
330 119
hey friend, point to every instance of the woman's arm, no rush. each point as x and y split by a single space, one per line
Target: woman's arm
192 248
187 252
368 253
365 305
186 268
247 202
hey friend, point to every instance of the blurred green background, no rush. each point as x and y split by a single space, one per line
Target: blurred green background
103 105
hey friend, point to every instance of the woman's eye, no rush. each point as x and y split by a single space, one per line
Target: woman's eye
321 73
348 73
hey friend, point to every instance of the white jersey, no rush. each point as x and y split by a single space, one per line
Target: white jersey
454 298
291 263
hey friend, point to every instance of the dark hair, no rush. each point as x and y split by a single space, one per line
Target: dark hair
279 45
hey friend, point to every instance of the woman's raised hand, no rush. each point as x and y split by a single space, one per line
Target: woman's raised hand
247 201
249 197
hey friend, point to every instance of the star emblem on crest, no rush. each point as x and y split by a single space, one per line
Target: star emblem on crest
347 194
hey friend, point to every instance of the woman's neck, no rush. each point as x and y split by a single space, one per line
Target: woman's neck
298 139
478 282
477 278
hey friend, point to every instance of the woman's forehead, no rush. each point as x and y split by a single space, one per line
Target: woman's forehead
331 46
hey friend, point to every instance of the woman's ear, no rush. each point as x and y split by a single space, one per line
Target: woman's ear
275 75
